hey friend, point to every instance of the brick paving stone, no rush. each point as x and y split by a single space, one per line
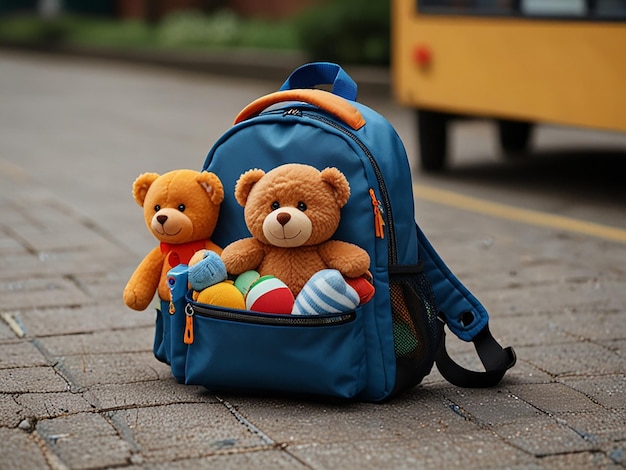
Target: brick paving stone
24 265
11 413
9 245
51 405
618 346
599 426
616 451
31 379
54 230
190 430
576 460
100 342
7 335
87 263
41 292
22 354
523 372
84 440
417 413
496 407
102 316
19 450
151 393
555 297
577 358
93 452
528 330
103 286
609 391
542 436
604 326
270 459
555 398
478 450
86 370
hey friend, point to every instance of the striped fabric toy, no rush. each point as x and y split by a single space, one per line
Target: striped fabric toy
326 292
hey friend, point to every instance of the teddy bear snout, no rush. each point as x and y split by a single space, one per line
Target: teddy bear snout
287 227
283 218
171 224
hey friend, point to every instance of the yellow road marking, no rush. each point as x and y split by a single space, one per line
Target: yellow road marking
517 214
13 324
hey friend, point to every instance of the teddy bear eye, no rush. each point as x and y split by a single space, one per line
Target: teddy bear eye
301 206
157 208
275 205
181 207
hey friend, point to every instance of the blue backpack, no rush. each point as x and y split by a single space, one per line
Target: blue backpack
384 346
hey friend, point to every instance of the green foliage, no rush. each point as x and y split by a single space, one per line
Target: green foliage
194 29
180 30
347 31
68 29
343 31
95 32
267 34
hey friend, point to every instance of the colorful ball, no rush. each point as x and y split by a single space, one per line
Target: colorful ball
222 294
245 280
269 295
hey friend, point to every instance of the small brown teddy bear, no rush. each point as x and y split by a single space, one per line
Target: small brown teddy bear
180 209
291 212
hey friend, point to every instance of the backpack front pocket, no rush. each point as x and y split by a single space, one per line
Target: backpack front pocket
242 350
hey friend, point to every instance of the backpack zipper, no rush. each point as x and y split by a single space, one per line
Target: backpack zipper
261 318
386 204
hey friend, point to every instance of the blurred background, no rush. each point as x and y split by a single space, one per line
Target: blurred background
346 31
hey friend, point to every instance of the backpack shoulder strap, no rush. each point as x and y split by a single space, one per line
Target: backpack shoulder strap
467 319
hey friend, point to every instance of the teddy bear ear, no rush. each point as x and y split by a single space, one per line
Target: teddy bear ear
245 183
212 185
339 184
141 186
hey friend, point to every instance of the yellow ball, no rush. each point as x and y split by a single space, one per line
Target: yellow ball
222 294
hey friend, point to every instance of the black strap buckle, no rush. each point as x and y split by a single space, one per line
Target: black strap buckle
496 360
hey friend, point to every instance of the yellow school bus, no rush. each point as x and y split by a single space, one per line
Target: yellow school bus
520 62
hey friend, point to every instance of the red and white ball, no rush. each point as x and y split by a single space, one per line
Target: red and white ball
269 295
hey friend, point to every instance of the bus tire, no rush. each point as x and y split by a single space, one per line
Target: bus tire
514 136
432 130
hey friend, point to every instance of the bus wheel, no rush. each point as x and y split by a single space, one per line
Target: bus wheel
432 129
514 136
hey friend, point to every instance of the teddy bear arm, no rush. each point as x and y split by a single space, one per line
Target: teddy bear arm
349 259
144 282
209 245
243 255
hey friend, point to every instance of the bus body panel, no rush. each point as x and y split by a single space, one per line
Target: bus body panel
568 72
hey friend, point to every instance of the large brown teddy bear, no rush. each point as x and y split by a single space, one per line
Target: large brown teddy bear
180 209
291 212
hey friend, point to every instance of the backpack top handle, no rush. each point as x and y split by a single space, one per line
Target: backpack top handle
322 73
329 102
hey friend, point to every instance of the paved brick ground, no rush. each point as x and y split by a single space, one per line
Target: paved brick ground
79 387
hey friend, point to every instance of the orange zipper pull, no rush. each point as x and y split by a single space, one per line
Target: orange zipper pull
188 336
379 223
172 308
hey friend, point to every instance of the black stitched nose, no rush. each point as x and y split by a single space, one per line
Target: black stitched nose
283 218
161 219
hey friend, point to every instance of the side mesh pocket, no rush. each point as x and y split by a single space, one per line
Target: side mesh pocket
415 332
